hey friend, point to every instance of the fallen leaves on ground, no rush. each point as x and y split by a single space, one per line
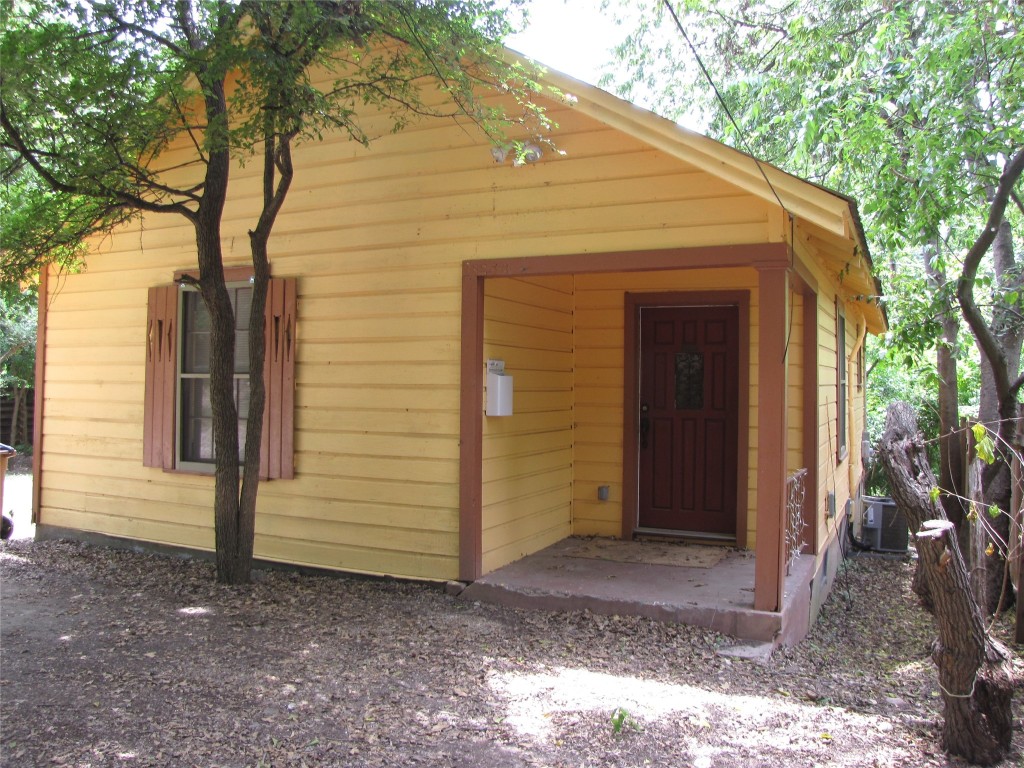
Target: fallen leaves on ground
115 658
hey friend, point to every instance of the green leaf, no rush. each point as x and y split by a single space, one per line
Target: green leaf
994 511
984 446
619 716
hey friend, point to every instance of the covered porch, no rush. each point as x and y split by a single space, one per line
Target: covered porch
565 464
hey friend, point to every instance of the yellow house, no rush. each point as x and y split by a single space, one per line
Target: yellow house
680 330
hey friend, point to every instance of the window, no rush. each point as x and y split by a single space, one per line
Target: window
689 380
177 428
195 425
841 383
860 368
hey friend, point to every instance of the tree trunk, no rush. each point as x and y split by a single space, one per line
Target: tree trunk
975 672
1006 328
233 547
951 454
233 565
17 397
993 341
973 538
20 434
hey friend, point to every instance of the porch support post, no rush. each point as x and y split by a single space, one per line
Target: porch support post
809 291
40 386
770 549
471 422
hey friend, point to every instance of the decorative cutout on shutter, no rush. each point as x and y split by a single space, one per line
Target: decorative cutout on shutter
161 361
277 447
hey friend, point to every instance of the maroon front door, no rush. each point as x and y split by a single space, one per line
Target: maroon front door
689 397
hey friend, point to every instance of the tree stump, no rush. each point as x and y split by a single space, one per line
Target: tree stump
976 673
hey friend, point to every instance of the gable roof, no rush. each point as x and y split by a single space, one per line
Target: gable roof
834 219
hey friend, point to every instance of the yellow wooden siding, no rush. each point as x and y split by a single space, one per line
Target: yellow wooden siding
795 384
527 457
834 475
377 237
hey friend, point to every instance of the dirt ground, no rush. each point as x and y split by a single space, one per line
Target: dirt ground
18 496
114 658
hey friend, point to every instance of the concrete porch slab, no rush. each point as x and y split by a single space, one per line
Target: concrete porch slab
719 598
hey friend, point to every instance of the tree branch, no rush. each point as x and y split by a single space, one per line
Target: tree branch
965 285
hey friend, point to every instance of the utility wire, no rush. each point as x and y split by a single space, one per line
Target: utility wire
746 145
728 112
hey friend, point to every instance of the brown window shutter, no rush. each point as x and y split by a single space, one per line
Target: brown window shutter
161 362
276 454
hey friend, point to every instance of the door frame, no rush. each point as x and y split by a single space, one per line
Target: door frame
634 302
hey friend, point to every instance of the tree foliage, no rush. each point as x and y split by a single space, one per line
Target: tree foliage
95 92
17 336
917 110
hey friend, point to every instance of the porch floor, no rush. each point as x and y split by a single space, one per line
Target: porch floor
720 597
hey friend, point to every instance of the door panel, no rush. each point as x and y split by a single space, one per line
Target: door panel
689 397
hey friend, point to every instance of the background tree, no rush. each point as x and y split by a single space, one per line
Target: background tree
94 91
917 110
912 108
17 356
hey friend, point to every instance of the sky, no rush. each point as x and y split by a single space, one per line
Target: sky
572 36
576 37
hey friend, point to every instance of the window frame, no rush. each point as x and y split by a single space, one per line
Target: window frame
180 375
842 386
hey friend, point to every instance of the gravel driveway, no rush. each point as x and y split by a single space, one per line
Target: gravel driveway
111 658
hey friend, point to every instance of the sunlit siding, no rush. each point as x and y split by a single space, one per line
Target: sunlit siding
527 457
376 238
838 476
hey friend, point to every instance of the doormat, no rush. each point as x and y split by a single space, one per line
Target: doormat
648 552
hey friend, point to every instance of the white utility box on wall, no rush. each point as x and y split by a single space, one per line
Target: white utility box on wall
499 389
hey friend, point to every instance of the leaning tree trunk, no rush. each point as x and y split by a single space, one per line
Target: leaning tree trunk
976 673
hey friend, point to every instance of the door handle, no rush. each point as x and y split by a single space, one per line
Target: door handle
645 426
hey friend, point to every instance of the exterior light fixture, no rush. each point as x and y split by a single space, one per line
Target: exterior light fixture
529 153
500 153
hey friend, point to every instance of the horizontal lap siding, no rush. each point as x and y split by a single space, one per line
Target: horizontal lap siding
841 478
527 457
833 475
93 478
376 238
795 385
